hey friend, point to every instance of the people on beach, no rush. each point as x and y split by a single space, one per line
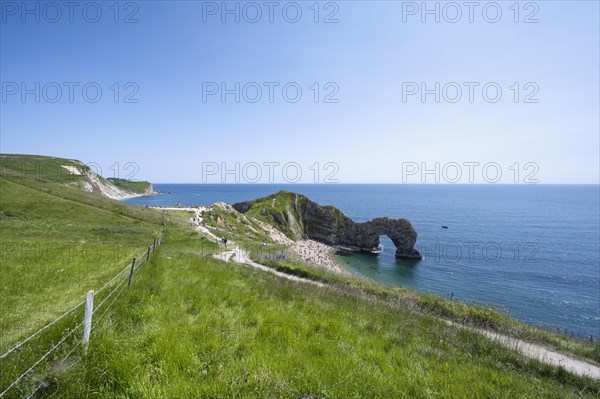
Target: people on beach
316 253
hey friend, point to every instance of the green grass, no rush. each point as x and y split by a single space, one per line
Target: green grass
54 250
182 215
57 242
235 226
33 169
40 169
191 326
137 187
466 314
277 209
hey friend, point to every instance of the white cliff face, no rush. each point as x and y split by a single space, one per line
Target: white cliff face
105 188
149 190
72 169
94 183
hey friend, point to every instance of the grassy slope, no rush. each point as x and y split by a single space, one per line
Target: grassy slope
466 314
44 169
276 209
194 327
235 227
54 250
282 211
137 187
56 243
191 326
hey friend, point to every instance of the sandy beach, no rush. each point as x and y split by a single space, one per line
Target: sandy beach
314 252
309 251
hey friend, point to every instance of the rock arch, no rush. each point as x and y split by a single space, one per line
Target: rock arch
366 236
299 217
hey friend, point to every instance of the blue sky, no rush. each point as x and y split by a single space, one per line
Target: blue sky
370 58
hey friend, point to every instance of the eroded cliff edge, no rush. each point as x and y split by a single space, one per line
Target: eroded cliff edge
298 217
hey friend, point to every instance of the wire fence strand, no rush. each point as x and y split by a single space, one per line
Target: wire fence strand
112 279
109 295
15 382
65 358
140 261
17 346
106 310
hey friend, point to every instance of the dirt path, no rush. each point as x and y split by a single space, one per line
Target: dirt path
543 354
196 220
532 351
238 255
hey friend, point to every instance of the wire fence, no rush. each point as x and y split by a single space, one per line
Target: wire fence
137 264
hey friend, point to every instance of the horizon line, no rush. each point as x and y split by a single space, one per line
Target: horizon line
390 184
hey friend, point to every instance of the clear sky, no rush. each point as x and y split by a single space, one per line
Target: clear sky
367 119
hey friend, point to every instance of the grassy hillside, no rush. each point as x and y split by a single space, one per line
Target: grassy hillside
285 211
194 327
137 187
56 247
40 169
57 242
32 169
281 210
235 226
191 326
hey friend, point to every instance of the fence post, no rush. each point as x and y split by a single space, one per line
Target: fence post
87 318
131 273
154 245
148 254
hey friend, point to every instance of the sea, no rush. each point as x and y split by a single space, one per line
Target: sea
532 251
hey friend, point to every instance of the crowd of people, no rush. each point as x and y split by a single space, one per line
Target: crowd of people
317 253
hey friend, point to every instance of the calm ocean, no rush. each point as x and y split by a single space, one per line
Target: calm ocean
530 250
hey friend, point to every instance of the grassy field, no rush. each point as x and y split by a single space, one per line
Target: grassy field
191 326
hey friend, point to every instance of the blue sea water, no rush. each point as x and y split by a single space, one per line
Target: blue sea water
530 250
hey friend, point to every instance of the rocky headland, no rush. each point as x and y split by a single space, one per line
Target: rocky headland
300 218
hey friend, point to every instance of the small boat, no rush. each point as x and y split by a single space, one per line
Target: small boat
444 227
378 250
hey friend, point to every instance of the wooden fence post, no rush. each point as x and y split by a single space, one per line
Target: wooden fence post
148 254
131 273
154 245
87 318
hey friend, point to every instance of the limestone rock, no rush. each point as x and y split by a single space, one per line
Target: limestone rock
298 217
